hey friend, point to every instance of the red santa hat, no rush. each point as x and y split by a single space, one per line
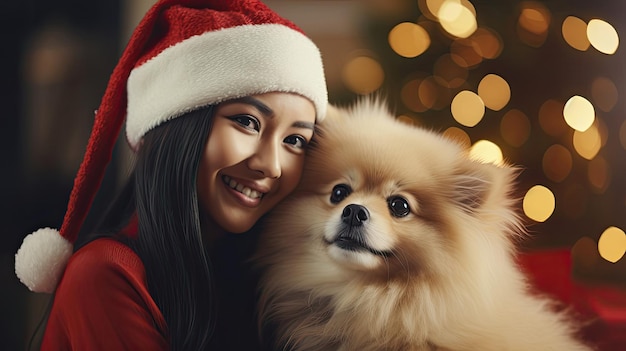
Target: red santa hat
183 55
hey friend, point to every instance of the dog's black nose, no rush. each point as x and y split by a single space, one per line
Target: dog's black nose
355 215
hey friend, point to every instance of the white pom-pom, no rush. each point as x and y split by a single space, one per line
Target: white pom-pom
41 260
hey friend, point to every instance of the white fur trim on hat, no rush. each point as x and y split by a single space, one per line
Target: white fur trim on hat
221 65
41 260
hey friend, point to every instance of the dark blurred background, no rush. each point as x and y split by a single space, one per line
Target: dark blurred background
58 57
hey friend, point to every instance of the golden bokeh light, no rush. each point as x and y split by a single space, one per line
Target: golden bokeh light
494 91
427 92
604 93
534 20
457 18
574 32
612 244
551 118
533 23
557 163
579 113
588 143
363 75
602 36
467 108
410 97
434 93
539 203
598 173
487 43
431 8
487 152
450 72
458 135
464 54
407 119
408 39
515 128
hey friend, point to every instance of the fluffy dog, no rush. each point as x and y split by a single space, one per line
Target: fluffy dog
396 240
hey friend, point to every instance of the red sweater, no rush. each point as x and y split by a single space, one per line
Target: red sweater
102 303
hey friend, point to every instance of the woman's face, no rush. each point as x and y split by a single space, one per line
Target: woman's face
253 157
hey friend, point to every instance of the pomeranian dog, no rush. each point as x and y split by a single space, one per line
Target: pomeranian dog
396 240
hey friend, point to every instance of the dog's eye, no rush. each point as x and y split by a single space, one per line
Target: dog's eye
340 192
398 206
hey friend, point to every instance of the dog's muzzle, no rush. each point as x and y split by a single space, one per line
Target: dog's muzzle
352 232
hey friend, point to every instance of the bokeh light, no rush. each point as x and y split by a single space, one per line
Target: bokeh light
551 118
612 244
409 96
467 108
574 32
588 143
494 91
407 119
579 113
464 54
409 39
458 18
515 127
533 23
602 36
434 92
539 203
486 151
487 43
598 173
363 75
557 163
450 72
458 135
604 93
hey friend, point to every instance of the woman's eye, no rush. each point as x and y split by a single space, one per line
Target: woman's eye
247 122
398 206
340 192
296 141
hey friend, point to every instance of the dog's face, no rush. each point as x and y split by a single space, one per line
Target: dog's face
385 201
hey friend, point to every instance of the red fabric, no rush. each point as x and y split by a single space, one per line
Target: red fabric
102 303
601 307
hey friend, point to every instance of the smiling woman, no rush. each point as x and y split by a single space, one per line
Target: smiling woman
254 157
220 132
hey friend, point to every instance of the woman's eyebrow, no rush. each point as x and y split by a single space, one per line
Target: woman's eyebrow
303 124
256 103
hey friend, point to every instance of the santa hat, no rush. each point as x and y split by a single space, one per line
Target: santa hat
183 55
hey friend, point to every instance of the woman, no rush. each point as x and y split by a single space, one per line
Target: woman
220 100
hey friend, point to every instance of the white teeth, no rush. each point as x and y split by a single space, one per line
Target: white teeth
253 194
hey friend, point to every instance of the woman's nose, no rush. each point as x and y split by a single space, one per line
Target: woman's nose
266 159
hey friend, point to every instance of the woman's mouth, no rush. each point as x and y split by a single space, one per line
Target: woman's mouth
253 194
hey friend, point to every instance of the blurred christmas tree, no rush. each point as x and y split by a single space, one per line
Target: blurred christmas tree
538 83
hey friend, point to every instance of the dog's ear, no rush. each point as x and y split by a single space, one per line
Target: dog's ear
482 185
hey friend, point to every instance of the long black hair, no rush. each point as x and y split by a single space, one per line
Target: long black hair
162 193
